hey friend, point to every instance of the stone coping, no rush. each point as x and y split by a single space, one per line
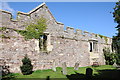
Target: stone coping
30 12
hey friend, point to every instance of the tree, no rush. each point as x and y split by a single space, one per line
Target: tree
34 29
109 56
116 39
27 67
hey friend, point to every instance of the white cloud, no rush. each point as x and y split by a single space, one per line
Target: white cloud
5 6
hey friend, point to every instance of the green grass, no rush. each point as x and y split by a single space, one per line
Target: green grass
58 73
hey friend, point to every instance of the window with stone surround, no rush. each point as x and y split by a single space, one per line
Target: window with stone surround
93 46
43 43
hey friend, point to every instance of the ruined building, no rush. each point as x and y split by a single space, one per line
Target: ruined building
68 45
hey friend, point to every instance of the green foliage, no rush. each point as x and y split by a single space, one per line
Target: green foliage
105 38
109 57
3 36
101 36
34 30
37 29
116 39
27 67
116 44
24 33
116 15
95 35
9 76
2 28
118 59
49 72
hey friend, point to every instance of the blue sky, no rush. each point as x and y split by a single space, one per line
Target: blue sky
94 17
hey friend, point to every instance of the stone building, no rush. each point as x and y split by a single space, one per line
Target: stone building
68 45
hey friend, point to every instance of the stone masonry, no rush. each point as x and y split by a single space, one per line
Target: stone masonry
70 46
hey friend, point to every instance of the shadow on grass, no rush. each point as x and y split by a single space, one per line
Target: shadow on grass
76 76
107 74
9 76
102 75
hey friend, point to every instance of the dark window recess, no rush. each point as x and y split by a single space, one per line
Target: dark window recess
43 43
91 47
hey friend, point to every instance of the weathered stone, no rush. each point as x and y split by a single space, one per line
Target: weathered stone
62 46
89 72
76 67
54 66
115 65
64 68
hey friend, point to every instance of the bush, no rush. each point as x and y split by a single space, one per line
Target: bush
109 56
116 48
27 67
118 59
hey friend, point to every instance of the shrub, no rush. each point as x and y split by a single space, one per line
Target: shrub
27 67
118 59
109 56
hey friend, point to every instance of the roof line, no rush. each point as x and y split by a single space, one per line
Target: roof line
33 10
5 11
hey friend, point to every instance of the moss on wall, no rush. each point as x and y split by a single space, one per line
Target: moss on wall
2 28
105 38
96 35
3 36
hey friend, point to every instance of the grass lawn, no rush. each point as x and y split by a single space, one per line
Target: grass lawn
99 73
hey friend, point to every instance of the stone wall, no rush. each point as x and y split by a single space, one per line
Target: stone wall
68 45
